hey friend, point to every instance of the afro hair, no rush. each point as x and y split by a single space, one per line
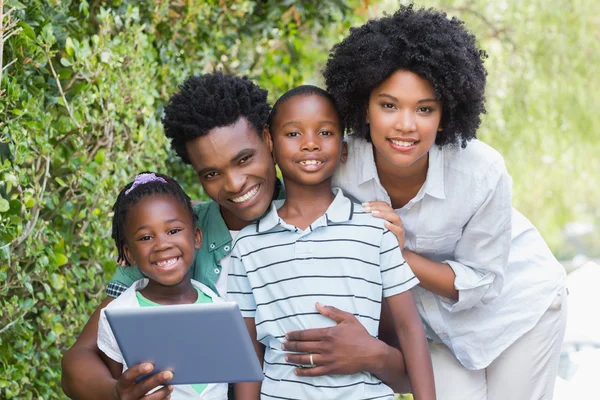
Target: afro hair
425 42
212 101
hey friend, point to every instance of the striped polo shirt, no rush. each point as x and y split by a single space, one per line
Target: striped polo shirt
346 259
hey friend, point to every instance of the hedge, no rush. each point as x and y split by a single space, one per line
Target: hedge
80 111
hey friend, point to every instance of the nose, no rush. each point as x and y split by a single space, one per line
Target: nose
163 243
311 142
406 121
234 183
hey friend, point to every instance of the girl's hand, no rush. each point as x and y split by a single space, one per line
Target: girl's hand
381 209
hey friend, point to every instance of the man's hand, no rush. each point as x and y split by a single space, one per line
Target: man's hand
128 389
344 349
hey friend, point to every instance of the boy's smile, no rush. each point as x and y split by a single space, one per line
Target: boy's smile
236 170
162 239
307 140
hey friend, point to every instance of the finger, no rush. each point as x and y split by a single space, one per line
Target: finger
304 359
307 335
390 216
131 374
302 347
335 314
152 382
377 205
319 370
396 230
161 394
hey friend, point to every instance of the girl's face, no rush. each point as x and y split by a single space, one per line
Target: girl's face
161 238
405 117
307 140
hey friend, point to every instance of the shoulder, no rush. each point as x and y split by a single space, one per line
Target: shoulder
128 298
478 159
202 209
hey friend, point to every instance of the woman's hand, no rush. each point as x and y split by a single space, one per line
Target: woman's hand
128 389
383 210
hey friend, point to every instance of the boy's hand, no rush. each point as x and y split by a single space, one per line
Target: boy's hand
128 389
383 210
344 349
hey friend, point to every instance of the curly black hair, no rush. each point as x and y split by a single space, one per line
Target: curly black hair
425 42
212 101
304 90
127 198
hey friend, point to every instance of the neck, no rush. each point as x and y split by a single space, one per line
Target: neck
304 204
233 222
401 183
181 293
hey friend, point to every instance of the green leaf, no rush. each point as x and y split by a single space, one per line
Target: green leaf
61 259
4 205
65 63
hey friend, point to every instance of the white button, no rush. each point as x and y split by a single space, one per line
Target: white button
217 271
212 246
226 248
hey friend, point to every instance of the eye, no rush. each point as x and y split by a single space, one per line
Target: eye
326 133
389 106
292 134
145 238
174 231
245 159
210 175
425 110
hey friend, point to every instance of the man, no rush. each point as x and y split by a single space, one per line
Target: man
216 124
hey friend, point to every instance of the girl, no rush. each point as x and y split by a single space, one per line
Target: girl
491 294
153 227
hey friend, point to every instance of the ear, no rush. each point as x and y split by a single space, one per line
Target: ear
129 255
344 156
197 238
367 120
268 139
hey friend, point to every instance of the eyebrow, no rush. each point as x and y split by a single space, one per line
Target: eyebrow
420 101
166 222
298 122
240 154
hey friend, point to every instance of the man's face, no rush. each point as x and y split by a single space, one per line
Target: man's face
236 170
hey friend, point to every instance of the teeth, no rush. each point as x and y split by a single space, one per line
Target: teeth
251 193
401 143
310 162
167 263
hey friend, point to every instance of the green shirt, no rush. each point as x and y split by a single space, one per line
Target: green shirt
206 267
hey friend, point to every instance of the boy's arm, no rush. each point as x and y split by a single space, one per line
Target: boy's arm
413 344
85 376
251 390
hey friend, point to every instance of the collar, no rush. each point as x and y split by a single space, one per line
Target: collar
434 183
341 209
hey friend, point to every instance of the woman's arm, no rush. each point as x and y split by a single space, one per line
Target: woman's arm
85 376
413 344
251 390
434 276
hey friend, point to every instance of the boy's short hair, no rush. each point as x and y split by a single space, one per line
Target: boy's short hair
211 101
304 90
425 42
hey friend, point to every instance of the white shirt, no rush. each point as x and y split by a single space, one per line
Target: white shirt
107 342
346 259
506 275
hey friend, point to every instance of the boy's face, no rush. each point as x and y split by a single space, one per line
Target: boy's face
161 238
307 140
236 170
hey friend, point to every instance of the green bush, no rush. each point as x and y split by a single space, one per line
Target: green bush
80 112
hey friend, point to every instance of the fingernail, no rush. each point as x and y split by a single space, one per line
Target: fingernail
282 346
147 368
170 387
287 359
295 372
365 204
374 212
319 304
168 375
287 337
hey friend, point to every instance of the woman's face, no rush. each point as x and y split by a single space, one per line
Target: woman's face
404 116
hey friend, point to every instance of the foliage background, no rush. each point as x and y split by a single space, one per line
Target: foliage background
80 111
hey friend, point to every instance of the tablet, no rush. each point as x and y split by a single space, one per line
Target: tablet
200 343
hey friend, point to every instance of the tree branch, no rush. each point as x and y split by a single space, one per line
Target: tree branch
60 89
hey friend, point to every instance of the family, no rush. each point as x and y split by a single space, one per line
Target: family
388 261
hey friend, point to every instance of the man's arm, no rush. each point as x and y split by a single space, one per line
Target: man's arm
347 348
85 376
251 390
413 343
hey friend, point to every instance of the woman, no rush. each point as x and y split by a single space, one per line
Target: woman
492 296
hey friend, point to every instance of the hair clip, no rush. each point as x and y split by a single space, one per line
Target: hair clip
144 178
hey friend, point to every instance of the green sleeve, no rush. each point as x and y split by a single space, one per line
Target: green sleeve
127 275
